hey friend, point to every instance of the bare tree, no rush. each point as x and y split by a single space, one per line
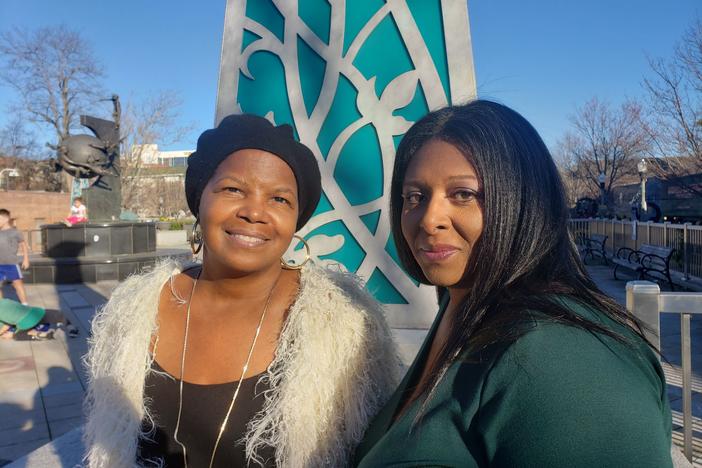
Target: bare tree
605 141
166 197
675 101
17 140
575 180
55 74
32 174
19 150
145 123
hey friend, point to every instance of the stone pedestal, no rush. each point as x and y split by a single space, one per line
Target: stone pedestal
97 251
98 239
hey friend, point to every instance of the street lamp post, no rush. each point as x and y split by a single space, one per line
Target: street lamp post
601 179
11 172
643 168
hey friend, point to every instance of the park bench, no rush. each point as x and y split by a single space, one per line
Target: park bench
594 245
650 260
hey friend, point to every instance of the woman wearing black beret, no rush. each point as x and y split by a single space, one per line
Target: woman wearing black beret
243 360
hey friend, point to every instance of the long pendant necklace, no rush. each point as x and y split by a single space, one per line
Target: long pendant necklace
238 385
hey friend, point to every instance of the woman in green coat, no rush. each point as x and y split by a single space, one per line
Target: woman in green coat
528 363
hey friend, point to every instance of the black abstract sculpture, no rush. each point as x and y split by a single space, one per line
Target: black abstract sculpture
104 248
88 157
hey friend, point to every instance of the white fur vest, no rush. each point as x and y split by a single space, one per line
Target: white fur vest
335 366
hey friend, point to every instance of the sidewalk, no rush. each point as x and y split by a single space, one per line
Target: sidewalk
42 382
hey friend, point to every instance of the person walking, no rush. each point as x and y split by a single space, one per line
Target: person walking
12 241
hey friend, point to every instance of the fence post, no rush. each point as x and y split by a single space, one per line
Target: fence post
614 238
665 234
686 259
648 231
686 354
642 303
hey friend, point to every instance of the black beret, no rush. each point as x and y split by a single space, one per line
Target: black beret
243 131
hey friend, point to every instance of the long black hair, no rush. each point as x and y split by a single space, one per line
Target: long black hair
525 255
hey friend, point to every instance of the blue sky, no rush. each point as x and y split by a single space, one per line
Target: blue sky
543 58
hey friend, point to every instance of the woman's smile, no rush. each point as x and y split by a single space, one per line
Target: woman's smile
246 238
437 253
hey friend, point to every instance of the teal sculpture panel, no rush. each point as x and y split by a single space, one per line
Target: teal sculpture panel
350 77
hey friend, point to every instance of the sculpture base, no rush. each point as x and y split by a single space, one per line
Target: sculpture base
91 252
98 239
93 269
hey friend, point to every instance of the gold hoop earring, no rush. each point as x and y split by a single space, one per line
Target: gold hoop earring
292 266
196 238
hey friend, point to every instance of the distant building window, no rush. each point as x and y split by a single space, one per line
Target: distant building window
173 162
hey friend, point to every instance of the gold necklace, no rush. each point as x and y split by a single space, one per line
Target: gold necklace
238 385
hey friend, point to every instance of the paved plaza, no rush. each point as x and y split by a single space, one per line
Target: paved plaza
42 383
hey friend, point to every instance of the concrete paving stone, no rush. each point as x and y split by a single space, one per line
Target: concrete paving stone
63 305
65 287
91 296
15 451
62 399
73 299
65 451
61 388
82 377
18 398
60 427
58 380
53 365
104 288
19 381
22 419
17 364
34 429
83 317
45 349
76 348
18 407
64 412
51 299
69 342
12 349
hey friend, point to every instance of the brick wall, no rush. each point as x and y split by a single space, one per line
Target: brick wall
32 209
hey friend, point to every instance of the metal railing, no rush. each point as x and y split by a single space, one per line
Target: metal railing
686 239
645 301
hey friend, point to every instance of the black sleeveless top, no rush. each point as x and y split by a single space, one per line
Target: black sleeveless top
204 408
